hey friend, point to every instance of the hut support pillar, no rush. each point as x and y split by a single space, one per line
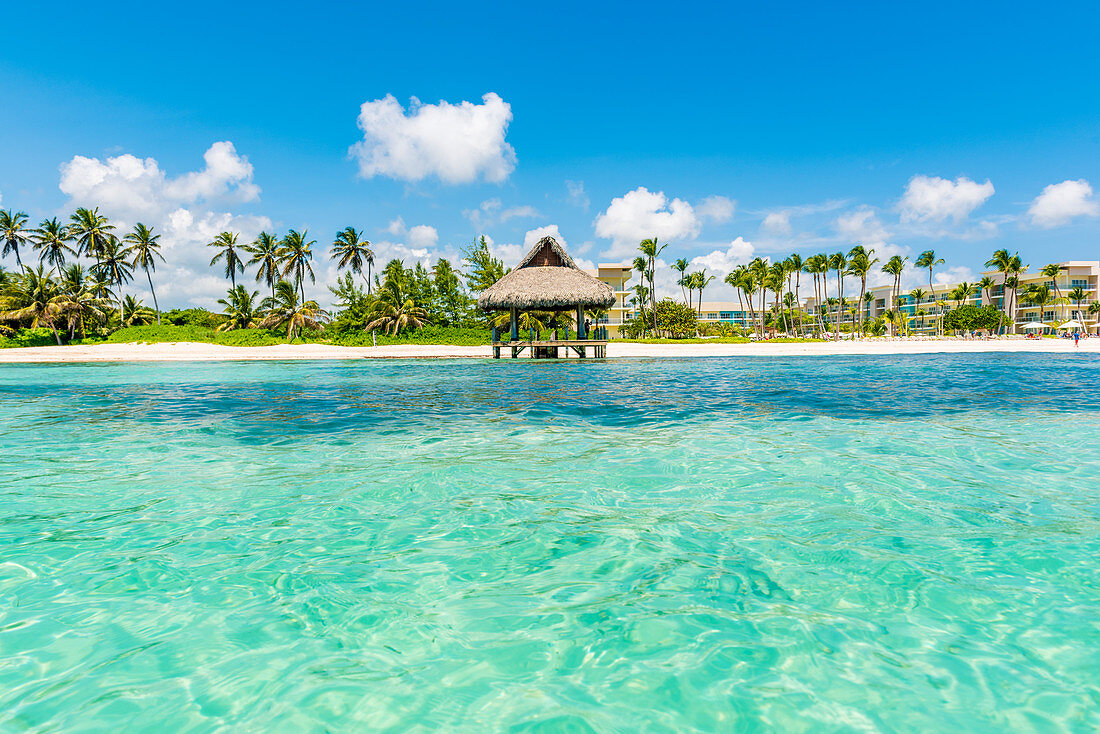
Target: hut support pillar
515 325
581 333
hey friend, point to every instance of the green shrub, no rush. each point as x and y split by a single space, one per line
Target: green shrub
191 317
153 334
41 337
249 338
450 335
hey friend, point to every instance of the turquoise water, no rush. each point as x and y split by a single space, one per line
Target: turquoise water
815 544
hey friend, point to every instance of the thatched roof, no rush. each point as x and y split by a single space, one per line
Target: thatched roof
547 278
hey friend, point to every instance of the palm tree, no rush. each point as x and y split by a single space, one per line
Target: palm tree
1052 271
681 267
52 238
226 245
918 294
985 287
895 266
1077 294
145 248
351 252
860 264
115 267
296 254
741 279
13 233
1094 308
1002 261
139 313
35 297
284 309
1041 296
91 231
927 259
240 309
759 269
266 253
700 281
85 303
650 250
395 311
1016 269
794 265
818 266
839 263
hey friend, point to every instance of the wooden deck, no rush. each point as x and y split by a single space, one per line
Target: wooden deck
550 349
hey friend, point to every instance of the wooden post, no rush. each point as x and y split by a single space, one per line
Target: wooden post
580 324
515 326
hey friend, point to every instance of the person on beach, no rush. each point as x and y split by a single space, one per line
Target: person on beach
1076 337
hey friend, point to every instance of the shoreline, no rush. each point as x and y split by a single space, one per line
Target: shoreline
203 352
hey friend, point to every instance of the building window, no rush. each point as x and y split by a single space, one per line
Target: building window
726 315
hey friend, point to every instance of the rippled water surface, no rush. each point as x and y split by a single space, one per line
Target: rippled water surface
814 544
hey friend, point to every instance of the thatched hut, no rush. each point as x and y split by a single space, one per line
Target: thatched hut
546 279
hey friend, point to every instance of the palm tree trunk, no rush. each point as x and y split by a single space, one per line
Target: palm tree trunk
653 291
797 303
155 304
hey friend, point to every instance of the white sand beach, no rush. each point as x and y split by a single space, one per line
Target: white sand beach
190 351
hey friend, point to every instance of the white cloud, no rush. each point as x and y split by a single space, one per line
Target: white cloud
396 226
724 261
508 253
423 237
1060 203
639 214
862 226
716 208
777 222
522 212
534 235
577 194
957 274
456 143
188 210
490 212
930 198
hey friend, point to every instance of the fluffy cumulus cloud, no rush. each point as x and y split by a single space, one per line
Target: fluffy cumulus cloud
716 208
456 143
188 210
722 261
1060 203
642 213
934 199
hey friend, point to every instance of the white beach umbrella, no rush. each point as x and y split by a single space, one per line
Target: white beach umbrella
1072 325
1034 325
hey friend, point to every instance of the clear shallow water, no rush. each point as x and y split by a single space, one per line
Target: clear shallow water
816 544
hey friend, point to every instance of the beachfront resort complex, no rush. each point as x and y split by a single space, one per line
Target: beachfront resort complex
1071 287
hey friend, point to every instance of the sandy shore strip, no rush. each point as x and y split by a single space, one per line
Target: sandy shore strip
190 351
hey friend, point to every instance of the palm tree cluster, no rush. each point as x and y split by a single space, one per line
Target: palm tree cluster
87 234
769 291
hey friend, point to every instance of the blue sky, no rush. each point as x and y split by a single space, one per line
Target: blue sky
754 129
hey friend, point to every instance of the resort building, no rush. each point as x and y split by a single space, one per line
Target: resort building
615 275
923 310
